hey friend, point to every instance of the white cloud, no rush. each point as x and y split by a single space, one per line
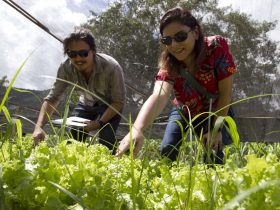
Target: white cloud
19 37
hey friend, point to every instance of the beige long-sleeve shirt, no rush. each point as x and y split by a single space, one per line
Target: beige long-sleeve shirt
106 82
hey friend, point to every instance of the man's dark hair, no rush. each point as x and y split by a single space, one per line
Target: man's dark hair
80 34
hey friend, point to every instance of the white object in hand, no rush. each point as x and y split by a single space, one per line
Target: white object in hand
72 121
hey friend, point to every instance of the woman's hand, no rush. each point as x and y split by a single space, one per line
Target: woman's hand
137 140
152 107
212 142
38 135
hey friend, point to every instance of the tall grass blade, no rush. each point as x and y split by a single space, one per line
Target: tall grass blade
232 129
214 192
27 91
65 115
6 113
2 195
19 129
12 82
272 132
188 200
239 198
70 194
91 93
133 191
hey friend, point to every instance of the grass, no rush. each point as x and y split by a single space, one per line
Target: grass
148 182
139 182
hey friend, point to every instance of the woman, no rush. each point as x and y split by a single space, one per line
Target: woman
208 61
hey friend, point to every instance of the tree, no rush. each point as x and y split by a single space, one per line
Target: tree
3 81
256 55
128 30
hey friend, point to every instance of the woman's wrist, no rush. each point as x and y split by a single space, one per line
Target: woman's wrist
218 130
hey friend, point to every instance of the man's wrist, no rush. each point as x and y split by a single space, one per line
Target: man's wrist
101 123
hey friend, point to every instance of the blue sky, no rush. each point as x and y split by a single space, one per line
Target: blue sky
20 37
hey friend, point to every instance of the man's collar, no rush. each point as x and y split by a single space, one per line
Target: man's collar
97 67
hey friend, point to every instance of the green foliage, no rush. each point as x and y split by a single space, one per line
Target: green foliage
77 175
129 31
67 175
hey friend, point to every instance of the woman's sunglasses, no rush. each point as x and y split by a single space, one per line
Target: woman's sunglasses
81 53
178 37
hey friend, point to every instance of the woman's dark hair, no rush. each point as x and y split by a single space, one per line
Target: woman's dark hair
183 16
80 34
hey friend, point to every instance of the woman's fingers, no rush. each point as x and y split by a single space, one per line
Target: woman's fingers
125 145
137 147
213 143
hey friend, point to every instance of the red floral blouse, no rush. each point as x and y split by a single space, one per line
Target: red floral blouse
217 57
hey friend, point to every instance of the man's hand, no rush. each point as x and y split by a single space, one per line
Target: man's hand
213 142
92 125
38 135
137 140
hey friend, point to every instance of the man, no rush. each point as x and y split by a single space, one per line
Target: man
100 75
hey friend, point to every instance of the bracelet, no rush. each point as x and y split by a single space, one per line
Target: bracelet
101 123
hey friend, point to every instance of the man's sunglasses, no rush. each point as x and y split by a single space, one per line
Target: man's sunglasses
81 53
178 37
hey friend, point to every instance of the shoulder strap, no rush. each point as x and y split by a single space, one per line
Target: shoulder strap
191 80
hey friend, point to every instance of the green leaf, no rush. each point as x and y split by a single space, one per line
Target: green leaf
71 195
242 196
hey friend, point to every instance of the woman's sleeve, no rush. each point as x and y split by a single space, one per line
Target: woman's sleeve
223 61
163 75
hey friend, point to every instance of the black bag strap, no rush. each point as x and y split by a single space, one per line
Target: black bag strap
191 80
